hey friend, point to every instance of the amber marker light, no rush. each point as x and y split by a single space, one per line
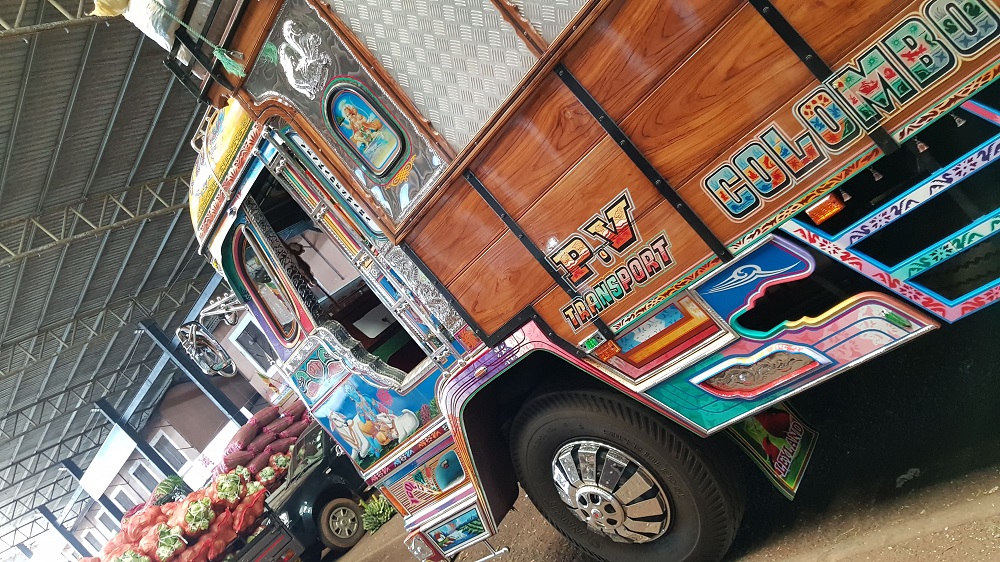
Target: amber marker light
829 205
607 350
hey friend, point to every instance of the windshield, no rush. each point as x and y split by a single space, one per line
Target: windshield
307 450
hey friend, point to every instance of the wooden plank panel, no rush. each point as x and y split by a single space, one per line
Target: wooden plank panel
744 73
538 145
458 229
642 42
597 179
834 27
686 251
500 283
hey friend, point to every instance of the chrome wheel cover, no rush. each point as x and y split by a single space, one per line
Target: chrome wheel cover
610 491
343 522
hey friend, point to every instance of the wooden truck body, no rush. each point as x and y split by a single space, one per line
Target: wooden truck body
691 209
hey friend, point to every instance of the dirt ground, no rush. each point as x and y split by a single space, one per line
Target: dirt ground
907 467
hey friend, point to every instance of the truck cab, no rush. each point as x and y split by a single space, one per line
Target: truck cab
591 240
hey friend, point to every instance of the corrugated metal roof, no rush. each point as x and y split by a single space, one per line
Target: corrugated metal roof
67 150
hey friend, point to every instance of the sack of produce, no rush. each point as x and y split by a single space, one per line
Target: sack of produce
281 445
267 476
169 545
243 437
261 441
227 490
295 429
244 473
294 410
131 555
142 521
232 460
264 416
198 515
249 510
220 535
259 462
128 514
197 552
117 545
171 488
278 425
279 463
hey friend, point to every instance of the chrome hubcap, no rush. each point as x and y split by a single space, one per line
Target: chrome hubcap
343 522
610 491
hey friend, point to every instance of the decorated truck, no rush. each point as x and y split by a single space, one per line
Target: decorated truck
601 231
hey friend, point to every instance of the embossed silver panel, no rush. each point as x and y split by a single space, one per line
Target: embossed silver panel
549 17
300 58
428 295
457 60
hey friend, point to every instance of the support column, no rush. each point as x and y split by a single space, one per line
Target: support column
102 499
68 536
145 448
25 550
192 372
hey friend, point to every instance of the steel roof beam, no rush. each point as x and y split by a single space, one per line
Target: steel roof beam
25 352
114 115
25 74
140 203
85 393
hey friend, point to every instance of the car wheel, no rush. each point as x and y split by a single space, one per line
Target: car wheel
618 481
340 525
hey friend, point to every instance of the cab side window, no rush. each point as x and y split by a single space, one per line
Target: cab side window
270 292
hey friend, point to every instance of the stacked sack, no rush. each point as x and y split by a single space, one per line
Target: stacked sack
176 526
269 432
198 528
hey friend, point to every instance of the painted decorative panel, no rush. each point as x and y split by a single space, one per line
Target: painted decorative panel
306 65
453 534
712 394
458 61
416 486
351 394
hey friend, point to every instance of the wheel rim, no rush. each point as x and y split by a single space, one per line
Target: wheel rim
343 522
610 491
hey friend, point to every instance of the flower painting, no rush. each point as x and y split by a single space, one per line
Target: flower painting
363 128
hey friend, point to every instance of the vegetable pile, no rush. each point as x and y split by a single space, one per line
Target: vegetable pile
178 525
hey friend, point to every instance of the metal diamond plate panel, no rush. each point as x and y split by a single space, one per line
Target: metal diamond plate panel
549 17
457 60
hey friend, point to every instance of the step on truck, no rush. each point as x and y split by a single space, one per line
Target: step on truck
593 234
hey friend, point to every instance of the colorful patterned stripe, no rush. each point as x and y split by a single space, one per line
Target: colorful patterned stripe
947 104
977 159
970 236
794 208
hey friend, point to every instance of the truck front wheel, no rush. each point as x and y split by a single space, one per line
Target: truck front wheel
340 524
620 483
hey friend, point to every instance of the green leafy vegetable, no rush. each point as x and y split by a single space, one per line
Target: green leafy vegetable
131 556
227 486
244 473
170 541
199 515
254 487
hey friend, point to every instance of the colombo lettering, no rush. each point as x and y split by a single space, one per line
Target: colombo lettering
913 56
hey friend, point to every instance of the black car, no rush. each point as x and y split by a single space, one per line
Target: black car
316 506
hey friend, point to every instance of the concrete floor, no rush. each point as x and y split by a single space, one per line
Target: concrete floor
930 406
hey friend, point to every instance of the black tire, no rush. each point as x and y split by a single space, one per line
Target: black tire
340 538
705 500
